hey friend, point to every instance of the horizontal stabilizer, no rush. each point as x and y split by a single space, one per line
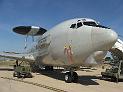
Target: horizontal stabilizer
29 30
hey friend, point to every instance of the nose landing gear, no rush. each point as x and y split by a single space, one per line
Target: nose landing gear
71 77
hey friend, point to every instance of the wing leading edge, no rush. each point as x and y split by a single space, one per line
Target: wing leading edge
17 56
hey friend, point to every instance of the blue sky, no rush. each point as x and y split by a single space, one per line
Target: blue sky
47 13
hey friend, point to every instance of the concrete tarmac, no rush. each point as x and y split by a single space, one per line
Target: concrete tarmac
89 81
14 86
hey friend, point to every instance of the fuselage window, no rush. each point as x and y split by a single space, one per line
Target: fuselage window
79 24
73 26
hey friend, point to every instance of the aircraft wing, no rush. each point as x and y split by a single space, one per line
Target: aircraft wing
17 56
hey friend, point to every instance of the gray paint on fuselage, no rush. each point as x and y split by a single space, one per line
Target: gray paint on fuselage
80 39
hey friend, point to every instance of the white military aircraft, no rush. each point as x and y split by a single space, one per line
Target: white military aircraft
68 44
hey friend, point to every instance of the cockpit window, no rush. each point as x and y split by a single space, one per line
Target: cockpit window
79 24
90 23
102 26
73 26
94 24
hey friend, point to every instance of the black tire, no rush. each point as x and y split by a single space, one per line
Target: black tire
68 77
103 77
29 75
14 75
49 68
113 79
75 77
117 78
18 75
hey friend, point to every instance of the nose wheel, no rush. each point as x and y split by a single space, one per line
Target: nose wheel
71 77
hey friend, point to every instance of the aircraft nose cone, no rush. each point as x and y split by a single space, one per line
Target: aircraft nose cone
110 37
114 36
103 39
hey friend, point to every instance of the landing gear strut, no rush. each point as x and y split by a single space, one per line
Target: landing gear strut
71 77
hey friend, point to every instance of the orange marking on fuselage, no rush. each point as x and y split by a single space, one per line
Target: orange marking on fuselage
68 52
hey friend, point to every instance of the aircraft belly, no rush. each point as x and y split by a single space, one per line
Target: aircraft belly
49 60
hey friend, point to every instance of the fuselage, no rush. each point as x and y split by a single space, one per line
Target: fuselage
70 43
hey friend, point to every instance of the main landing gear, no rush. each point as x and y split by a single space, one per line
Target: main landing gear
71 77
49 68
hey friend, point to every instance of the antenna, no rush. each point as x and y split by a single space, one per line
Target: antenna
26 42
